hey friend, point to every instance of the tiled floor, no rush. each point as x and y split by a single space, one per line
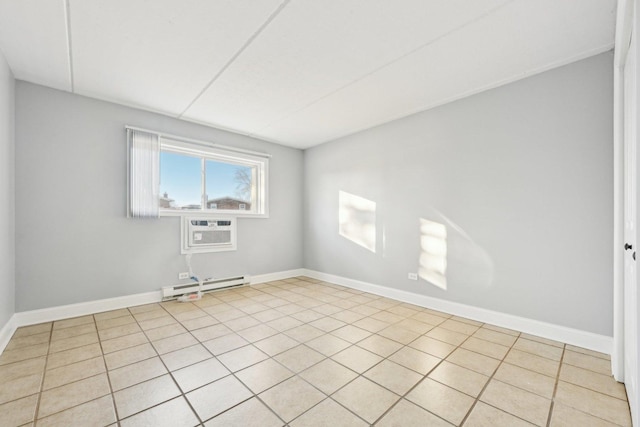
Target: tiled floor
303 353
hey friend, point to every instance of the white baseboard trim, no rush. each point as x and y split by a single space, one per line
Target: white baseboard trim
33 317
7 332
270 277
588 340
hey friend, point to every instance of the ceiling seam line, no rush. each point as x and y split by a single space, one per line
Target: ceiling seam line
448 33
69 43
262 27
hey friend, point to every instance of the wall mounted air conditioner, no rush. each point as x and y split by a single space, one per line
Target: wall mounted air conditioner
199 235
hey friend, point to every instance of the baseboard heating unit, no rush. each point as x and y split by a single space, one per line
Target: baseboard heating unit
173 292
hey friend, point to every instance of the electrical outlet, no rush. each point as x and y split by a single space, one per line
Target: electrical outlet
413 276
183 276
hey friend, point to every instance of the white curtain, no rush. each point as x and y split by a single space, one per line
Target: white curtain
144 174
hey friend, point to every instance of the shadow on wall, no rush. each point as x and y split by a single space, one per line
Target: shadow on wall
448 252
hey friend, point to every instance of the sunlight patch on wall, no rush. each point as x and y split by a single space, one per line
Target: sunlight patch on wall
433 253
357 220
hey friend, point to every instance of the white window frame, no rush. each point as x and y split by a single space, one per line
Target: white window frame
220 153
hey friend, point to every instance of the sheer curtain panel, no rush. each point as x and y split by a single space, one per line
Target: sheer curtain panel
144 174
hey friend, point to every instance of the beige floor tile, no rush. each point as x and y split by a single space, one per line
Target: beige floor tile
73 331
242 357
200 374
565 416
189 315
177 342
450 337
328 414
501 330
403 311
185 357
518 402
399 334
327 324
224 344
525 379
211 332
284 323
11 356
388 317
156 313
370 324
263 375
441 400
251 413
268 315
487 348
29 340
347 316
351 333
415 325
357 359
130 355
299 358
217 397
307 316
459 326
18 412
535 363
328 376
407 414
116 322
165 332
304 333
394 377
119 331
145 395
98 412
144 308
495 337
483 415
20 387
199 322
68 357
358 395
156 322
593 403
276 344
174 413
241 323
383 303
415 359
328 344
257 333
588 352
69 395
24 331
585 361
542 340
433 346
75 321
459 378
73 342
74 372
121 312
363 309
136 373
539 349
290 309
120 343
431 319
23 368
593 380
380 345
291 398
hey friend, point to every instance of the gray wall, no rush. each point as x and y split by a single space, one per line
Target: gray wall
73 240
521 176
7 193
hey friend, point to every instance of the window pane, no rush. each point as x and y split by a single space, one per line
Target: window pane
180 186
229 186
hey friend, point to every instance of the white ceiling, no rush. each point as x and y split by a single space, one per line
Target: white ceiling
296 72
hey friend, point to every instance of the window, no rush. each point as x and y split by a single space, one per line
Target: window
196 177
